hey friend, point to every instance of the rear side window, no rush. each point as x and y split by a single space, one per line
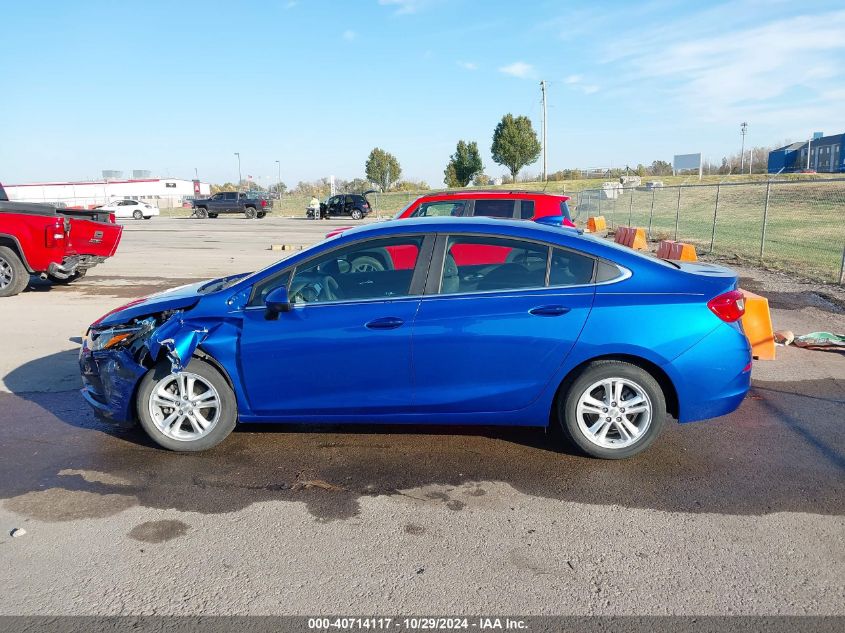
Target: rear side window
605 271
569 268
494 208
231 195
481 264
526 209
564 210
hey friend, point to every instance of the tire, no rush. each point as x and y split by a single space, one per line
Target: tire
137 214
249 213
261 215
212 215
13 275
356 214
152 416
608 439
365 264
79 274
201 213
148 217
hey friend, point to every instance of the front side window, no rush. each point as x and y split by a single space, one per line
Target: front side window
373 269
440 209
217 196
481 264
494 208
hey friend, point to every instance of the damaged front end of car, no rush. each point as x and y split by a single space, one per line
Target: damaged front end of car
114 358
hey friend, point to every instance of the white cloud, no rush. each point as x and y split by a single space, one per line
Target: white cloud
349 35
291 4
468 65
589 89
405 7
518 69
724 71
573 79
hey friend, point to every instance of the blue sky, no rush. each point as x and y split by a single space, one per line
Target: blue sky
315 84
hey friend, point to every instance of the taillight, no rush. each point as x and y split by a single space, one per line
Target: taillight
263 203
112 218
55 233
729 306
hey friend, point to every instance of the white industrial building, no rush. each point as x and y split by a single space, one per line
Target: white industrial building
160 192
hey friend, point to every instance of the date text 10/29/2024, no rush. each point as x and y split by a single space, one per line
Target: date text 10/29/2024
417 624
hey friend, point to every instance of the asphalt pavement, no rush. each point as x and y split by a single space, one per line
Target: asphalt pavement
739 515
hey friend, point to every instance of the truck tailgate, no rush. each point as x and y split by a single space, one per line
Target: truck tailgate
94 238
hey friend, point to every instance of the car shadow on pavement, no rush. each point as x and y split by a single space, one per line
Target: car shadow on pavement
781 451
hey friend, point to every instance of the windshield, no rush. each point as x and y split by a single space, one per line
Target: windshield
405 208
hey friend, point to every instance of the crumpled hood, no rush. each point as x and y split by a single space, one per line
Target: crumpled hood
180 298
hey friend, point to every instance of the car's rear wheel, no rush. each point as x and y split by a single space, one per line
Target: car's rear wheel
192 410
249 213
356 214
201 213
612 410
13 275
137 214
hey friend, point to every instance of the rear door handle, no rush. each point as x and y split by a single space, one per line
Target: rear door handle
385 323
549 310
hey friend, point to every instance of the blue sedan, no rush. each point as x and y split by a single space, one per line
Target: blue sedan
431 321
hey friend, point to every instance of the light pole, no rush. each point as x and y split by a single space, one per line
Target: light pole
238 154
279 182
743 129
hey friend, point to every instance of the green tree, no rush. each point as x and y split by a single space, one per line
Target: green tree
482 180
382 168
515 144
463 165
660 168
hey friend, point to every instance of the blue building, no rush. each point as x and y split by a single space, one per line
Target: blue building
827 156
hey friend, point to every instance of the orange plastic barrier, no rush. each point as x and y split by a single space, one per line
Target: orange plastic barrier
679 251
596 224
636 239
757 323
621 235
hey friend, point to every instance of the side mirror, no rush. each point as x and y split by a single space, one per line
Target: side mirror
276 302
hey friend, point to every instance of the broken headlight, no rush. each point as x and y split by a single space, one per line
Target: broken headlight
120 336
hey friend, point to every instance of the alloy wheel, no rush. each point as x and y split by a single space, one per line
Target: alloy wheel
614 413
6 273
184 406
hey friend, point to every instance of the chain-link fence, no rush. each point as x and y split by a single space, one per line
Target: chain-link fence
796 226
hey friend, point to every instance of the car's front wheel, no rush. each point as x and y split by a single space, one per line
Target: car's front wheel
189 411
201 213
612 410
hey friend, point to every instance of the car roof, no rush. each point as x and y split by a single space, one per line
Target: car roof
492 193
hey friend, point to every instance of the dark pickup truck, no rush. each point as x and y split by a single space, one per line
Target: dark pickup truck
251 205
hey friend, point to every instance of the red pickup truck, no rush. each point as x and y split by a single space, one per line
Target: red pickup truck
57 244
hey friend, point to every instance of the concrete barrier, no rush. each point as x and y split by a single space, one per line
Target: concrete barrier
679 251
757 324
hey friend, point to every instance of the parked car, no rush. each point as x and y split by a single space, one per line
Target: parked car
129 208
568 329
250 204
517 205
40 239
354 205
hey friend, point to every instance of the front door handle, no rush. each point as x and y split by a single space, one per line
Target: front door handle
385 323
549 310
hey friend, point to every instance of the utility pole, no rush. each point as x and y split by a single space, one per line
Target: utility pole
743 129
279 182
238 154
543 92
